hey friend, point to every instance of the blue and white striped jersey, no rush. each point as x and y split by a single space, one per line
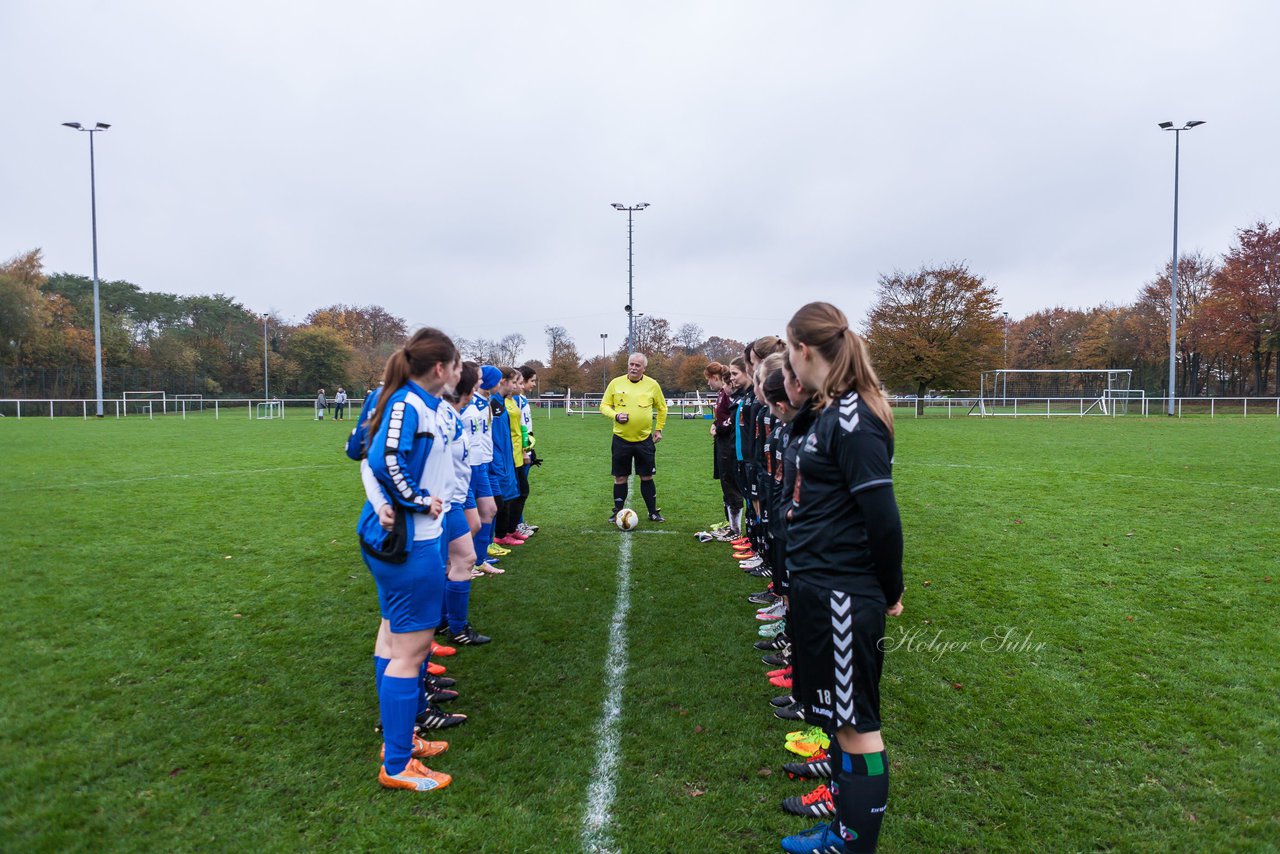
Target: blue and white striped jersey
457 453
526 413
410 456
478 420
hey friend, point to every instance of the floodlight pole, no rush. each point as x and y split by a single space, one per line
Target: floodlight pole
1004 374
99 127
1173 284
604 361
631 325
266 379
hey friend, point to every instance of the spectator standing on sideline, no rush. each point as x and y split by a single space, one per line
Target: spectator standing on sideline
321 405
340 405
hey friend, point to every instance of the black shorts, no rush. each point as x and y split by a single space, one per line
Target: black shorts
624 452
836 636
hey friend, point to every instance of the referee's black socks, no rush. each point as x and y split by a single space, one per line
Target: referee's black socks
861 793
650 492
619 495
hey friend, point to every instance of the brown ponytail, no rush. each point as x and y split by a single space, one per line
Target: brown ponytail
767 346
823 327
426 349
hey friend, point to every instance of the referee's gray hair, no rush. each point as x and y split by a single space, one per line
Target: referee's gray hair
642 356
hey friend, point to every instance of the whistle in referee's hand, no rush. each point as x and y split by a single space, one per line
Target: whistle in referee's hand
622 417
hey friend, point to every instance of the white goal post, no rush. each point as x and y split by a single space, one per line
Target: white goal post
188 402
1055 391
270 409
144 402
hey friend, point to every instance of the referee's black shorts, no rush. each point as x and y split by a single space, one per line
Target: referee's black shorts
836 636
642 452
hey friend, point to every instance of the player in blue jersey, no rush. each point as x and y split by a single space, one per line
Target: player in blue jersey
844 562
477 418
462 552
503 467
409 457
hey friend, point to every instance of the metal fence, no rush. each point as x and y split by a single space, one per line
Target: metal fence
256 408
1052 407
678 408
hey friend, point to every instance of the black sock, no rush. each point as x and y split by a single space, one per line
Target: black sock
619 496
861 792
500 519
650 492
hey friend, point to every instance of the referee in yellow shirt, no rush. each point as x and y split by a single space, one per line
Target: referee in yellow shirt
638 409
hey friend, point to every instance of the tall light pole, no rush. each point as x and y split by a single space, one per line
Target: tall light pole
604 361
93 208
1006 339
631 326
1173 286
266 379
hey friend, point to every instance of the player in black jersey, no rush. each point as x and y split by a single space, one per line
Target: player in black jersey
844 559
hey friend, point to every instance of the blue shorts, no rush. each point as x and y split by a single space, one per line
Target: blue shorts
481 482
411 594
470 503
455 524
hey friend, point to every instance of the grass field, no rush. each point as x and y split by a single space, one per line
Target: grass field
188 630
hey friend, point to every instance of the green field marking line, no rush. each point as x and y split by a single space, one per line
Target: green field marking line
597 833
179 476
1093 474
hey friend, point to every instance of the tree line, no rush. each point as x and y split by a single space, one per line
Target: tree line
934 328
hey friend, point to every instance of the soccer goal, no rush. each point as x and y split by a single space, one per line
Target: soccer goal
188 403
1063 391
691 407
270 409
144 402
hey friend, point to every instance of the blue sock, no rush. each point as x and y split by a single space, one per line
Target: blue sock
483 539
457 596
397 698
379 669
422 687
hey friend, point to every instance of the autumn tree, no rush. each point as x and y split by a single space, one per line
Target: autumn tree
724 350
565 370
318 357
371 331
934 328
1248 288
689 375
23 312
1196 273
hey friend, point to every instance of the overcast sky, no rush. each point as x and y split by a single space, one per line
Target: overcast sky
455 162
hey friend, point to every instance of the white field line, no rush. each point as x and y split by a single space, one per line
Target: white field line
676 533
1097 474
597 833
195 474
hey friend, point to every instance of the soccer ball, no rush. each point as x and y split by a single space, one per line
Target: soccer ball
626 519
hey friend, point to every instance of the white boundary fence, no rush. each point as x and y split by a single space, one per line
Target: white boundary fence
217 409
681 408
1053 407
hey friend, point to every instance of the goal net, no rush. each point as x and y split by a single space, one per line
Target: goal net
188 402
144 402
270 409
1074 391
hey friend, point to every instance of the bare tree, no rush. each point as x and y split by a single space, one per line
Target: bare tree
510 348
689 338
